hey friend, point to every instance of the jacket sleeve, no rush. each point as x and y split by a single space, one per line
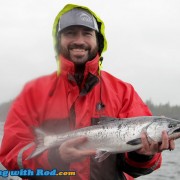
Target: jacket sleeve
137 165
17 143
132 163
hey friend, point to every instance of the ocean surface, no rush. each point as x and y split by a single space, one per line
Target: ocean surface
170 169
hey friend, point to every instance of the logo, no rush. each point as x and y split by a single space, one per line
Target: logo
85 17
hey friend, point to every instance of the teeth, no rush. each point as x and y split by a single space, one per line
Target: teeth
81 50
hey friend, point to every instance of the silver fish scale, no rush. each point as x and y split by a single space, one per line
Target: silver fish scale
112 136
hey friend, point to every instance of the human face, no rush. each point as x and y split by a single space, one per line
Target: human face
78 44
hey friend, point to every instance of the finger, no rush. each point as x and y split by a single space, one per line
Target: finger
165 142
81 156
144 140
78 155
76 141
151 146
85 153
71 147
154 147
171 145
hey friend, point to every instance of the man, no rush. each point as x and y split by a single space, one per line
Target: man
75 97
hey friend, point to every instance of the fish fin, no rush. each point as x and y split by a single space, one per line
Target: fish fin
39 143
134 141
101 155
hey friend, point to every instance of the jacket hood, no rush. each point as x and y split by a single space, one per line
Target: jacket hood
100 23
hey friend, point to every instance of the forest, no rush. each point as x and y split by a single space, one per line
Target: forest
164 109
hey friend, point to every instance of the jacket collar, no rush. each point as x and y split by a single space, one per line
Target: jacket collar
67 67
90 73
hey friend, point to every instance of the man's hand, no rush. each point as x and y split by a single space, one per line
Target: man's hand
69 151
151 148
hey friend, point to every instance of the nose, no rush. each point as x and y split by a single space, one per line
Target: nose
79 38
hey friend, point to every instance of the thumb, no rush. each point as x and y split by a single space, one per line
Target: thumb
76 141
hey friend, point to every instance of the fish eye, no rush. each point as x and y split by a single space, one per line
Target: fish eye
171 125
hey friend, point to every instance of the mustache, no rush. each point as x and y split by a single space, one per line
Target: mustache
81 46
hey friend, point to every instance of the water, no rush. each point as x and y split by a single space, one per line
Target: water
169 169
170 166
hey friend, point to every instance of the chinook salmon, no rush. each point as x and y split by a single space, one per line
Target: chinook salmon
113 135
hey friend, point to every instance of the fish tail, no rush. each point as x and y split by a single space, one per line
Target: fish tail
40 147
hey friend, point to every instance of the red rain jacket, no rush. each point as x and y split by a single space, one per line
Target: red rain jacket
56 104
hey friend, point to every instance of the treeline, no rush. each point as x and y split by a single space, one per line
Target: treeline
164 110
157 110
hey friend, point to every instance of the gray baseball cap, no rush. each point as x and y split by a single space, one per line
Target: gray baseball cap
77 16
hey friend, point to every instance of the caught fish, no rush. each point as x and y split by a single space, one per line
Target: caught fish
113 135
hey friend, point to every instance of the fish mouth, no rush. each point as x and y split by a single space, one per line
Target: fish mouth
177 130
174 133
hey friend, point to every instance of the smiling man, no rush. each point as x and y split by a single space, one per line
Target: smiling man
77 38
76 96
78 44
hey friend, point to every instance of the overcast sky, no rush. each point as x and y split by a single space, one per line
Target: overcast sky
143 44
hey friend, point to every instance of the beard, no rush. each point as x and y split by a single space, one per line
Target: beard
79 54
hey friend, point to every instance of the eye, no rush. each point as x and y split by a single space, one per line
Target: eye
171 125
69 32
87 33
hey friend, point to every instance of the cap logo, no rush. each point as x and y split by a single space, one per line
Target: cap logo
85 17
